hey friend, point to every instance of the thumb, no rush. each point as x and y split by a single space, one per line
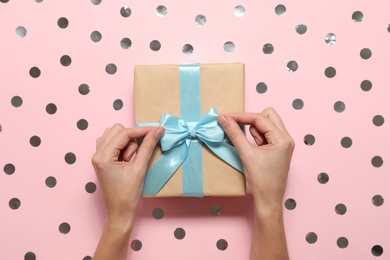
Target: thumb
147 146
234 132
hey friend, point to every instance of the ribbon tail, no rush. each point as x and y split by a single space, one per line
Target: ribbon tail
227 153
159 174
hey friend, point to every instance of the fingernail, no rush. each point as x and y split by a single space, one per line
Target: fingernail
257 140
159 131
222 120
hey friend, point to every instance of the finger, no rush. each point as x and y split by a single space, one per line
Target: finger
147 146
234 132
108 134
275 118
129 150
122 139
97 143
257 136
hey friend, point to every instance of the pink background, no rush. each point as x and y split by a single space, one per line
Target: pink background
33 228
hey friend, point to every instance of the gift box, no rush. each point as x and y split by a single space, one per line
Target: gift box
190 93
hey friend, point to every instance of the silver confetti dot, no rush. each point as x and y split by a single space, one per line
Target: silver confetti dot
365 54
155 45
96 2
229 46
239 11
330 72
136 245
111 69
268 48
342 242
330 38
62 22
222 244
161 11
301 28
188 49
83 89
125 11
388 27
280 9
377 200
200 20
297 104
339 106
38 1
96 36
126 43
292 66
65 60
357 16
21 31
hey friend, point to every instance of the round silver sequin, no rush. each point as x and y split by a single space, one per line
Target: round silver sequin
239 11
388 27
16 101
215 210
136 245
35 72
38 1
377 161
96 2
83 89
342 242
64 228
366 85
311 237
4 1
297 104
30 256
126 43
161 11
90 187
9 169
96 36
290 204
187 49
125 11
51 182
339 106
229 46
309 139
158 213
377 200
21 31
280 9
70 158
378 120
179 233
1 128
35 141
155 45
346 142
87 257
111 69
365 53
330 72
261 88
377 250
51 108
65 60
14 203
82 124
357 16
301 28
268 48
340 209
118 104
292 66
222 244
62 22
200 20
323 178
330 38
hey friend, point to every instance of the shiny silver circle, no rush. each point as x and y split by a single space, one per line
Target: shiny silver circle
82 124
377 161
301 28
297 104
51 182
261 88
125 11
365 53
292 66
4 1
118 104
111 69
126 43
35 72
309 140
70 158
268 48
158 213
323 178
222 244
280 9
341 209
16 101
377 250
366 85
378 120
357 16
161 11
346 142
215 210
90 187
179 233
21 31
229 46
136 245
342 242
30 256
330 72
388 27
239 11
65 60
339 106
290 204
96 2
187 49
155 45
1 128
51 109
9 169
35 141
64 228
200 20
14 203
311 237
62 22
83 89
96 36
378 200
38 1
330 38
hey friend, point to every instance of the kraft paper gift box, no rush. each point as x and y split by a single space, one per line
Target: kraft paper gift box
159 90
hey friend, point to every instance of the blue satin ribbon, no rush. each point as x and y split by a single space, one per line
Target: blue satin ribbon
181 142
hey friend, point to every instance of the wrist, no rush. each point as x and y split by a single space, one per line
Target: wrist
268 211
119 224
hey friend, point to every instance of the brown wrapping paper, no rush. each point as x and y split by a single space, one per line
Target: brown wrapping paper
157 91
